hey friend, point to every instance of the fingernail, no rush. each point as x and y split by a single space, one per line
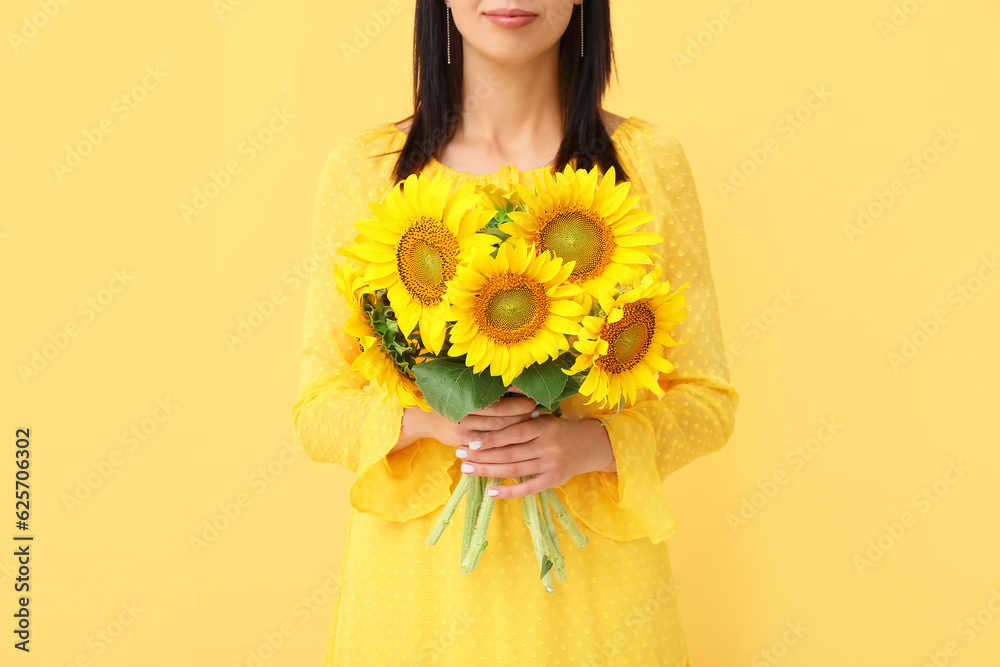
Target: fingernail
466 467
494 492
460 453
475 444
535 413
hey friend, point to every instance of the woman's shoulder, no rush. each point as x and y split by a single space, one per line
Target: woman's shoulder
367 142
643 134
652 155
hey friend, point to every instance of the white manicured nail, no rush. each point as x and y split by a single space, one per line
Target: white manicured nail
467 467
493 492
535 413
461 454
475 444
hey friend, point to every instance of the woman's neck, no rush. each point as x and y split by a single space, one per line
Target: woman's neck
511 114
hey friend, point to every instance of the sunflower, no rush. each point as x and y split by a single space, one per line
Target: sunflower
419 236
589 224
512 310
624 349
501 202
374 362
498 198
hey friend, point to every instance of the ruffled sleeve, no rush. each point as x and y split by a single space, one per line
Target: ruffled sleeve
339 417
695 416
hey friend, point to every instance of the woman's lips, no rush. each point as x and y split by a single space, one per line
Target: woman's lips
512 21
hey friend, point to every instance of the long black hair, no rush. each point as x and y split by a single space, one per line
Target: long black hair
438 89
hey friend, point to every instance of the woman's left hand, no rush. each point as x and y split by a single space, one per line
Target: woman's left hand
550 449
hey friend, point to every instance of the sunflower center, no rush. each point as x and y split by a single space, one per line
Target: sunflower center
511 308
426 257
628 338
427 263
579 235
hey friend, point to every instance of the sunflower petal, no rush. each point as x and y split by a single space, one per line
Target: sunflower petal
372 251
432 330
638 239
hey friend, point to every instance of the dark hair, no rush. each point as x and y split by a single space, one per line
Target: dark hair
438 90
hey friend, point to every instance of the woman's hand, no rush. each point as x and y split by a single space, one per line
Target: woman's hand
502 414
550 449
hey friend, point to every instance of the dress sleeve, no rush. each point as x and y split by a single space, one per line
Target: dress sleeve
339 417
658 436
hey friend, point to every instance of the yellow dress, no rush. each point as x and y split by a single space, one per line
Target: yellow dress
402 602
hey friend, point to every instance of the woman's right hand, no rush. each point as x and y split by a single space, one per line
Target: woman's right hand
505 412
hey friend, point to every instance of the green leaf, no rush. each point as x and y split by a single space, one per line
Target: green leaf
546 565
453 390
545 382
573 384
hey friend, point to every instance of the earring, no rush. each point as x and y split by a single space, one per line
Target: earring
581 28
447 27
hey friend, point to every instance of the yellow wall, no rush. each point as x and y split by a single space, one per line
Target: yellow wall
132 302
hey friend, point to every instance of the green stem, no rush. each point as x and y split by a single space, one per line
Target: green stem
473 498
550 527
478 545
536 537
449 509
564 516
551 550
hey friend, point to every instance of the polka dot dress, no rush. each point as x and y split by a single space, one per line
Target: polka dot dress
402 602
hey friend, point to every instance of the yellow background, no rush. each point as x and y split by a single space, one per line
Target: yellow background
810 313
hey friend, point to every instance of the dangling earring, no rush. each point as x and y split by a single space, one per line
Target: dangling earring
447 27
581 28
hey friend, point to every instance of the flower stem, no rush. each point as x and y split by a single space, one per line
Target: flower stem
478 545
564 516
550 526
449 509
551 550
536 536
473 498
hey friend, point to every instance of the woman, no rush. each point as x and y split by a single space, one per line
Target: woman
496 97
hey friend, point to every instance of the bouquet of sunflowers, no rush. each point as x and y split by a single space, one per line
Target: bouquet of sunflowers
457 297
